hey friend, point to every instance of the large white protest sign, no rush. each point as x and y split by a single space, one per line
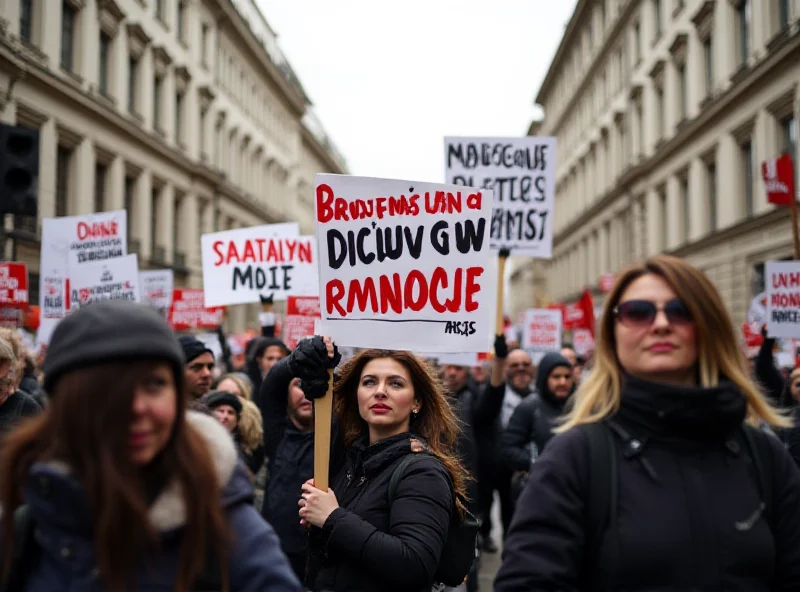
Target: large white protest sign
113 279
241 265
155 288
405 265
783 298
521 174
68 242
541 330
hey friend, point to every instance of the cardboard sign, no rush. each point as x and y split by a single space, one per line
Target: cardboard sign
521 174
155 288
299 322
783 298
778 175
541 330
405 265
188 311
117 279
13 285
241 265
66 243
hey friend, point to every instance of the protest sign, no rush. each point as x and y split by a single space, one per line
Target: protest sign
405 265
188 311
521 173
299 322
783 298
155 287
456 359
541 330
583 342
13 285
241 265
10 318
66 243
116 279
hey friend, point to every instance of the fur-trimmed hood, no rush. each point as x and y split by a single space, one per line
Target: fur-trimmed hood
56 496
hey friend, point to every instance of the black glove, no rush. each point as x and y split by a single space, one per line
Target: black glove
315 388
267 299
500 347
310 360
504 253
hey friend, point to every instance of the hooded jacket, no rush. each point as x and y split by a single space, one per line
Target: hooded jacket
61 512
366 545
689 507
532 423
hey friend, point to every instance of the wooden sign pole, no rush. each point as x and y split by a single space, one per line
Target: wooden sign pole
322 436
501 269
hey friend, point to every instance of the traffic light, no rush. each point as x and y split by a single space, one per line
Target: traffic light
19 170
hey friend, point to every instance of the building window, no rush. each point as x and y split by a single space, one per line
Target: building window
105 50
708 55
789 138
26 20
637 42
178 118
181 24
743 17
659 21
685 206
133 71
100 171
711 184
204 38
158 85
68 18
63 163
160 10
748 171
130 185
783 13
682 91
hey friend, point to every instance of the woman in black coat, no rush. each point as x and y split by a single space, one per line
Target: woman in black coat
359 540
699 500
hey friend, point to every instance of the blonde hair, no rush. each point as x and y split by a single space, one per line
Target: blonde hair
251 426
12 338
718 353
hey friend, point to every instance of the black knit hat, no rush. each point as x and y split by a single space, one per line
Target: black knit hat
106 331
216 398
193 348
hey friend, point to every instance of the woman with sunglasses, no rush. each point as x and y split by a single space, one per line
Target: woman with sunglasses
697 499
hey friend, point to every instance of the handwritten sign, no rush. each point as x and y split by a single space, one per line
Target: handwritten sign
405 265
521 173
541 330
155 287
783 298
13 285
116 279
302 313
240 265
188 311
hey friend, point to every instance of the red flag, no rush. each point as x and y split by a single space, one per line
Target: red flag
586 304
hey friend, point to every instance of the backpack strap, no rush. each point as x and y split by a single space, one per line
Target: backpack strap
400 469
601 516
764 463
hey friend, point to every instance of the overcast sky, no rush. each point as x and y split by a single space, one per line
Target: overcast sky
389 80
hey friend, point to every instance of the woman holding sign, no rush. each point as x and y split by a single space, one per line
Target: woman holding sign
659 479
370 531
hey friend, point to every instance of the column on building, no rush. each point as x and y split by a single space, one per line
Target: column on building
188 128
764 143
84 167
143 214
652 223
729 186
87 42
48 150
650 117
190 232
698 221
603 248
115 185
166 215
726 46
110 17
51 36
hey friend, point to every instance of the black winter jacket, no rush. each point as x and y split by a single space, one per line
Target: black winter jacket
681 495
534 418
365 545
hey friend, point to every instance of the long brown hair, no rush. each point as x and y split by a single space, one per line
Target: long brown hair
85 428
718 352
435 423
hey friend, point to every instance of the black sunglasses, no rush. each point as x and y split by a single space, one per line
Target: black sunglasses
642 313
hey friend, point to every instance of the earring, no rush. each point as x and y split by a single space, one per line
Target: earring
414 413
